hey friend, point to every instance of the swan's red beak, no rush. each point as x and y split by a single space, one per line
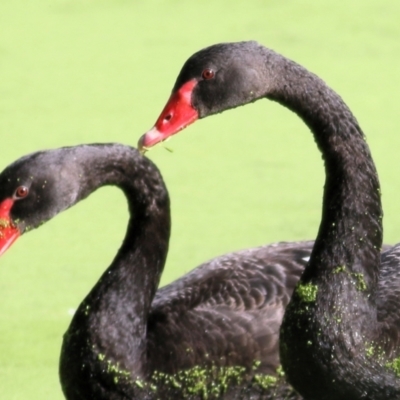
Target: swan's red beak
8 232
177 114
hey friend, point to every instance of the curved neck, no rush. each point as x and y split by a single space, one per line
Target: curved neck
117 307
350 234
332 316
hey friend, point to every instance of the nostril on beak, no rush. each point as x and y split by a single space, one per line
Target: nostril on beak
168 118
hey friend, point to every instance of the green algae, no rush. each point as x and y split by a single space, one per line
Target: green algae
265 381
370 351
340 268
280 372
116 370
256 364
210 382
213 382
139 383
307 292
394 365
4 223
204 382
361 285
375 351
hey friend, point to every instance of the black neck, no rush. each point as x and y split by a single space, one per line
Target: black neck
352 214
332 316
120 301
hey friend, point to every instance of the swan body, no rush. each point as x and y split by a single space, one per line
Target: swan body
211 334
340 333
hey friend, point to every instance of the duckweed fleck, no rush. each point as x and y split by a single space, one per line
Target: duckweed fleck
139 383
307 292
394 365
206 383
340 268
361 284
4 223
265 381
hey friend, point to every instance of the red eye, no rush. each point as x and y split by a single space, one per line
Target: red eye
21 192
208 73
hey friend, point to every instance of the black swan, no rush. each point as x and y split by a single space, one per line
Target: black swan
341 331
211 334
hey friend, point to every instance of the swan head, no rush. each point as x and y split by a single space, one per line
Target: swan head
34 189
215 79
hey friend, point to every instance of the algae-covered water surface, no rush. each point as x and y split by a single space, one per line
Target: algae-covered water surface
100 71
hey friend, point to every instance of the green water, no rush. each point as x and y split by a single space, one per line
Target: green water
75 71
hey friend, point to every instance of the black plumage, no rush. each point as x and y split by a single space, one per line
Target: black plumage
340 333
211 334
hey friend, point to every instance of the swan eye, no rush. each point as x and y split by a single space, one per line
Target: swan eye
21 192
207 74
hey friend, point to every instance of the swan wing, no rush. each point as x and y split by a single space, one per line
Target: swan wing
228 310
